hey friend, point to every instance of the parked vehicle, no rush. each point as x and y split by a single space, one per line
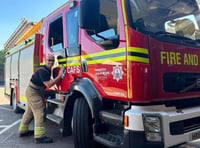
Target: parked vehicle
132 71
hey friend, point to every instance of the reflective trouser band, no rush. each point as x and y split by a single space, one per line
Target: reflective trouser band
39 131
23 128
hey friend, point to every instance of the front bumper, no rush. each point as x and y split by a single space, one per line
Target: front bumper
136 139
177 126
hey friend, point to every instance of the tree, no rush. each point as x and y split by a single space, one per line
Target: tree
2 62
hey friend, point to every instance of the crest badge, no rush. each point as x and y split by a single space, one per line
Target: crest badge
117 72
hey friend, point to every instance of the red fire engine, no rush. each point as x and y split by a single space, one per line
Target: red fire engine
132 71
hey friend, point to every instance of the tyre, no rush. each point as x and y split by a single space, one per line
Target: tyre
82 125
15 107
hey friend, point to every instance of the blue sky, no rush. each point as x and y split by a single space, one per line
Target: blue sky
11 12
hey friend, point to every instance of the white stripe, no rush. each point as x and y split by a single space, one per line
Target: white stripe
9 126
3 126
6 108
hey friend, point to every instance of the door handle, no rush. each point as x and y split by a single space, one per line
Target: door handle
84 67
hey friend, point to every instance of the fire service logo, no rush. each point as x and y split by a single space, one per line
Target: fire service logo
117 72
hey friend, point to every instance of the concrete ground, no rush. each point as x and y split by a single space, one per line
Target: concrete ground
9 138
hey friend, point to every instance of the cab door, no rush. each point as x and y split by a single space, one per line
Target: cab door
63 41
73 67
55 44
104 47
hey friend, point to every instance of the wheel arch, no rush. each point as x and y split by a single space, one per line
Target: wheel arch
85 87
82 87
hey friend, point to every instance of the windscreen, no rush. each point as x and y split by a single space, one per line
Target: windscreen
177 17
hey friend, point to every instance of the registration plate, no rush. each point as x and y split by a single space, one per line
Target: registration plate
195 136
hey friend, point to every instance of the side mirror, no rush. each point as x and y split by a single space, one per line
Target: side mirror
89 14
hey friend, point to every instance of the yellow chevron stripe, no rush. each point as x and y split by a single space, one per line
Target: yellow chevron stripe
68 64
104 53
107 60
139 50
73 58
138 59
69 59
73 64
62 60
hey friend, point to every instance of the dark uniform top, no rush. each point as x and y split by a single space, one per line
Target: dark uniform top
41 75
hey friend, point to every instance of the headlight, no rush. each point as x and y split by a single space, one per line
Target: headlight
154 137
152 125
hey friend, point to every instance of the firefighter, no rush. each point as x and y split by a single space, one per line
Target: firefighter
35 106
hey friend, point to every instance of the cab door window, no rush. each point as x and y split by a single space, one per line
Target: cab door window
73 48
107 33
55 39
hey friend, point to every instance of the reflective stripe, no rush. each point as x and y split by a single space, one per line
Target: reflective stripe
69 59
23 128
138 54
107 60
39 131
134 54
7 91
139 50
108 52
138 59
22 45
106 56
127 45
23 98
124 12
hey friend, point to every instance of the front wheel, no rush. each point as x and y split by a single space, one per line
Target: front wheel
82 125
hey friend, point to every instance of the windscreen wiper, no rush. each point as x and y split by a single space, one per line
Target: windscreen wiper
180 38
172 35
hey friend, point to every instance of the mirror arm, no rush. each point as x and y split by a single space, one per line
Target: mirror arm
66 52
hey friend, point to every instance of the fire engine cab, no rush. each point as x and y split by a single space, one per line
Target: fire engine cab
132 71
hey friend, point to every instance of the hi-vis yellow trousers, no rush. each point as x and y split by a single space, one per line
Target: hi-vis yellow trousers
34 108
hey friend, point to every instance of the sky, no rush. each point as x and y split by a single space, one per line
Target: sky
12 11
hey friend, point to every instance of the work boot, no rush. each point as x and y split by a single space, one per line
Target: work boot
28 133
44 140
